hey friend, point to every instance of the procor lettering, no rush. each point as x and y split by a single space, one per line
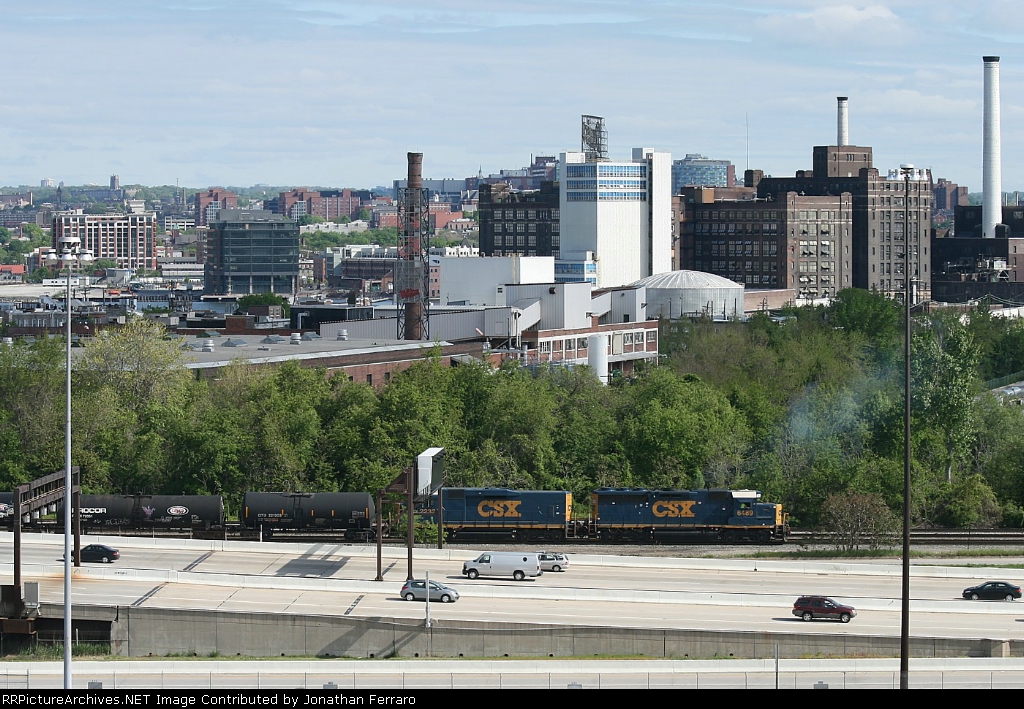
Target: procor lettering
499 508
674 508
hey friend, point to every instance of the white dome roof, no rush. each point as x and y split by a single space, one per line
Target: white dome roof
686 280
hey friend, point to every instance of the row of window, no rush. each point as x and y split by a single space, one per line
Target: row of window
519 240
812 248
522 252
635 337
739 266
606 196
521 228
581 170
525 214
723 214
766 228
811 266
738 248
622 170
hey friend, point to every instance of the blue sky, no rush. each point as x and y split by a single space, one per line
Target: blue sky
334 93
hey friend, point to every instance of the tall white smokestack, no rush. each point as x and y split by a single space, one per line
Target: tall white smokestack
843 137
992 180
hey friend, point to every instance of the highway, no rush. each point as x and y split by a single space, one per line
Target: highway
711 594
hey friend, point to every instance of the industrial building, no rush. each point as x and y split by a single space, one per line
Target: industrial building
621 212
985 257
682 294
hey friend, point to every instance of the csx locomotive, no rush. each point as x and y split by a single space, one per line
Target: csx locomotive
636 515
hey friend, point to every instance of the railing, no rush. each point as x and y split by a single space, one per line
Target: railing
810 679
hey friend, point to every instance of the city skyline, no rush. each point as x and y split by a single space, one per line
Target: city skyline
308 92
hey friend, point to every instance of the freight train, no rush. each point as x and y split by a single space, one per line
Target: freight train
616 515
467 514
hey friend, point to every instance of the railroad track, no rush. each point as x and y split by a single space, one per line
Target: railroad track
933 537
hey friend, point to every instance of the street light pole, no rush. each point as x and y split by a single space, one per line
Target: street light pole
70 253
906 170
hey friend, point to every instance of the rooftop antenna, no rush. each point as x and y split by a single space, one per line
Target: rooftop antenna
746 126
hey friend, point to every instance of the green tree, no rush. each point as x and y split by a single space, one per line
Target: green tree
137 362
877 318
944 369
678 432
853 519
263 299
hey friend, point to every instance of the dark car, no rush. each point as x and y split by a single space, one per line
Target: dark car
993 591
100 552
811 607
415 590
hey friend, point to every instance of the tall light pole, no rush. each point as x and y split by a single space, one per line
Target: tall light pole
906 171
70 252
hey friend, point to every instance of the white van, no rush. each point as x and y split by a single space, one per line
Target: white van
516 564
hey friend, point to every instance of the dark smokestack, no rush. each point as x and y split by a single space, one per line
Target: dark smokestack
415 171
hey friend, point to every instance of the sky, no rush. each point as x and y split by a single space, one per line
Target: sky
335 93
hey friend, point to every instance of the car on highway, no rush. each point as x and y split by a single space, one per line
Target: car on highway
100 552
553 561
992 591
415 590
811 607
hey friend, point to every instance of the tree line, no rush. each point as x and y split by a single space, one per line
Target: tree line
804 408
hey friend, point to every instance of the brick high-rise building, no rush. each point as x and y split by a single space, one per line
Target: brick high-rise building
791 241
210 202
949 195
329 204
881 236
128 239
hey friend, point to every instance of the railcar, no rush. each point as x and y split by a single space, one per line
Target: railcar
350 512
136 512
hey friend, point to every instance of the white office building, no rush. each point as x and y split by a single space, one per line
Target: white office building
619 211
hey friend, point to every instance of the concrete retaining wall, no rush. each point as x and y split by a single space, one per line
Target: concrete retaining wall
140 632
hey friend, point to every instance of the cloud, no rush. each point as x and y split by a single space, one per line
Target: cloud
834 26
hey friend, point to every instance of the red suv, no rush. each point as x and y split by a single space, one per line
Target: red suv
811 607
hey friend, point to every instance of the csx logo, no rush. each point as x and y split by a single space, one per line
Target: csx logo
499 508
676 508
